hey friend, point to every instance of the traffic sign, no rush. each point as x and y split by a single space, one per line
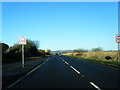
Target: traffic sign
118 39
22 40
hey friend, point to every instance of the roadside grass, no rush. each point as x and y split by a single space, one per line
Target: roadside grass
38 57
115 64
100 55
33 57
48 55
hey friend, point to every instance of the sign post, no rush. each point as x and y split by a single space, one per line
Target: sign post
22 41
119 52
118 41
23 55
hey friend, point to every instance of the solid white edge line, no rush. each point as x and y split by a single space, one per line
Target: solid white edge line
36 67
15 82
95 85
75 69
27 74
33 70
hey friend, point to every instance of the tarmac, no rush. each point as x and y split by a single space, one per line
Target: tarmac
13 71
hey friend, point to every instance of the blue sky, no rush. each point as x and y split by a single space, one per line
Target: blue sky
61 25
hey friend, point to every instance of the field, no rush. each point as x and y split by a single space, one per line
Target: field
103 57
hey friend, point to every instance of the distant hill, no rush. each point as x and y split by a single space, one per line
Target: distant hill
61 51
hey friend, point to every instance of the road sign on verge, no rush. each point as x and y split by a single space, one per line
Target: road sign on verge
22 40
118 39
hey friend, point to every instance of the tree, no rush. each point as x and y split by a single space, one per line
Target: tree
30 49
15 51
5 47
97 49
80 50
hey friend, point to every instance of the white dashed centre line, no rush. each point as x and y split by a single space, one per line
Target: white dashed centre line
95 85
66 63
80 73
71 66
75 69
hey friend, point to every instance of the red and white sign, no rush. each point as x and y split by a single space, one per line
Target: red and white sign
118 39
22 40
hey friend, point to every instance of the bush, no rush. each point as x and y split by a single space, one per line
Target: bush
5 47
15 52
108 57
80 50
97 49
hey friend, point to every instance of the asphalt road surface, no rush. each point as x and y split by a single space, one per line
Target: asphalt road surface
64 72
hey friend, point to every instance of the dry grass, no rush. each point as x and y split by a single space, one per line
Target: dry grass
98 55
101 55
70 54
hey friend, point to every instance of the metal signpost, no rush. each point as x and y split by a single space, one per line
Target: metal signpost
22 41
118 41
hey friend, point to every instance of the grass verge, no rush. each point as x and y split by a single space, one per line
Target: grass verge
38 57
98 61
33 57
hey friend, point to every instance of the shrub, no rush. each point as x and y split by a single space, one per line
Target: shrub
108 57
15 52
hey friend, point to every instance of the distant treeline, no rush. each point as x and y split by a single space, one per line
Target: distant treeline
78 50
81 50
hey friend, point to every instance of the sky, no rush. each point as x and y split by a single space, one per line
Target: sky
60 0
61 25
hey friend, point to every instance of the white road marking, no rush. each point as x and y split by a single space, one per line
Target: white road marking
71 66
16 82
27 74
66 63
95 85
36 68
61 58
82 75
33 70
75 69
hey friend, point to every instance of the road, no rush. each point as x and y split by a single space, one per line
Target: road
65 72
12 71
